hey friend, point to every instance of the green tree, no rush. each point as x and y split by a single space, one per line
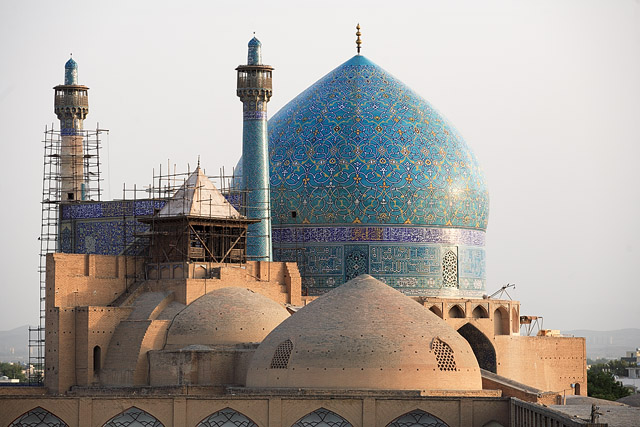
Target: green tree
616 367
602 384
12 370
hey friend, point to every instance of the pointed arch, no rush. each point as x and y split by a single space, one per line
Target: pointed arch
501 321
456 312
480 312
436 310
227 418
322 418
481 345
37 417
417 418
133 417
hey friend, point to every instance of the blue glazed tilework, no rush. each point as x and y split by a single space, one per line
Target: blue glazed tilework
256 170
66 238
105 237
254 56
71 72
284 235
360 146
471 263
416 269
110 209
101 227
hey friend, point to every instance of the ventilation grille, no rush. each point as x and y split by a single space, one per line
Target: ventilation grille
444 355
281 357
450 269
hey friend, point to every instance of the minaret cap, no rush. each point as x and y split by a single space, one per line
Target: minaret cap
255 52
71 72
358 41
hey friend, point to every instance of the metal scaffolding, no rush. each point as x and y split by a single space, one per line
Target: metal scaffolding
51 200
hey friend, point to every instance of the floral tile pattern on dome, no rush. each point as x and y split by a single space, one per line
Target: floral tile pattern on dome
360 146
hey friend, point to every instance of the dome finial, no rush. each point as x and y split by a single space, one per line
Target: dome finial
358 41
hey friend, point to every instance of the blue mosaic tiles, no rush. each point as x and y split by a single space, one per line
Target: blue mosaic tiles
367 177
254 90
254 56
111 209
71 72
415 269
106 237
359 146
105 228
286 235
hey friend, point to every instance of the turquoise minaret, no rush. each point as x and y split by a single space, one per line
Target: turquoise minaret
254 90
71 106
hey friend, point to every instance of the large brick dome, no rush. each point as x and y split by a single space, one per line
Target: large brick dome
365 335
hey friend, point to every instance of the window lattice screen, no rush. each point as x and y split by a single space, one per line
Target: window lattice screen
134 417
450 269
444 355
227 418
281 356
417 418
322 418
38 417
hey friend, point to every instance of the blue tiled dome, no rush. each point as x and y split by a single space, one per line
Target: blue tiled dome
254 42
71 64
367 177
359 146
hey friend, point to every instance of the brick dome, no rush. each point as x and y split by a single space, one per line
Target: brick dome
226 316
365 335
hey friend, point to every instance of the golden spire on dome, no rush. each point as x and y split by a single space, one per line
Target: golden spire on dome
358 41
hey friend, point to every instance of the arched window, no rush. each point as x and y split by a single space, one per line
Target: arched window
501 321
227 418
133 417
436 310
322 418
456 312
417 418
97 361
38 417
480 313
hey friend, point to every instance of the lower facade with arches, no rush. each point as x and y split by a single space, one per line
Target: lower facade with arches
255 411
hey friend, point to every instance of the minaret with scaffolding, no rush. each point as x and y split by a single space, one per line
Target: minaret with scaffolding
71 174
71 107
254 90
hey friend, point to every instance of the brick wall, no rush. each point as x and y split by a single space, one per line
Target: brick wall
546 363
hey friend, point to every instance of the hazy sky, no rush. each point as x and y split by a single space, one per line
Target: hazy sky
546 93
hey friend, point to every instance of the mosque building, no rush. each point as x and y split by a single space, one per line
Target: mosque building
340 281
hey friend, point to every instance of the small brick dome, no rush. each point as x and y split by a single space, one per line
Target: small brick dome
365 335
226 316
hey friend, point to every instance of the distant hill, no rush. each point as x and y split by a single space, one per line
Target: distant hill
14 345
608 344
